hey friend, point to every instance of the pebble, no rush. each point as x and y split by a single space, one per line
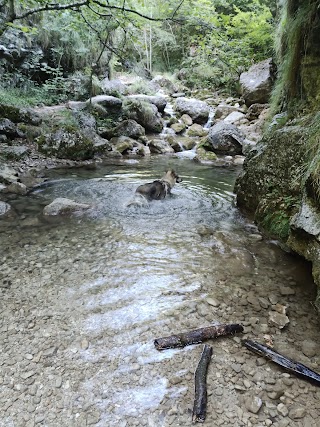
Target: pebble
309 348
282 409
253 404
286 290
277 319
297 412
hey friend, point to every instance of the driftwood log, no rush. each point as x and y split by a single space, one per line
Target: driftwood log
196 336
289 365
200 400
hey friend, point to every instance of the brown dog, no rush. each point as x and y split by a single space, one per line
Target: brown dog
156 190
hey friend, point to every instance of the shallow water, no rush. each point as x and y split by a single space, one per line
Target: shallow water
88 295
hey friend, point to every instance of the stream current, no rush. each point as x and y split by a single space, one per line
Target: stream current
83 299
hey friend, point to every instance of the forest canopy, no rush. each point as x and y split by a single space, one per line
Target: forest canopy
215 39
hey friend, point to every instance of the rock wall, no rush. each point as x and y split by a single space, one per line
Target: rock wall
279 185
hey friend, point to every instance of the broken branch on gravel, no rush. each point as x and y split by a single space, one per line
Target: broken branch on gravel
197 336
288 364
200 400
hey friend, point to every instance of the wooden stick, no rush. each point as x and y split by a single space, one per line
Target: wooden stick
196 336
200 400
288 364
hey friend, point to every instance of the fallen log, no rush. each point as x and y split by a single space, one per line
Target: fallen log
196 336
289 365
200 400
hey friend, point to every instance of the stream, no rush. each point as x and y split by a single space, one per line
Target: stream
83 298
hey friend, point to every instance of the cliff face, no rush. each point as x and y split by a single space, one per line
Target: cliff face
280 182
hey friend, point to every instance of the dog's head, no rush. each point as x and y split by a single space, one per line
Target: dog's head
171 177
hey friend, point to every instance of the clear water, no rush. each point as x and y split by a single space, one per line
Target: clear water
116 278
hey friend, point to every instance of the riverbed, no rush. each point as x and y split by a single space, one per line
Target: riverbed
83 298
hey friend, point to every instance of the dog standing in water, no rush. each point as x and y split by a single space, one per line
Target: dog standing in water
156 190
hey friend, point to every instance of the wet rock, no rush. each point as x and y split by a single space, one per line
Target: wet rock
238 160
187 143
204 156
63 206
122 143
253 404
277 319
309 348
196 109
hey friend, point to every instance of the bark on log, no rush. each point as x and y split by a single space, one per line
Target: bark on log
200 400
196 336
289 365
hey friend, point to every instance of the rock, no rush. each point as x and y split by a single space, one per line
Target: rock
16 188
282 409
113 87
126 128
255 110
106 101
164 83
122 143
196 109
187 143
286 290
257 82
9 129
178 127
253 404
7 174
196 130
204 156
5 209
277 319
14 152
282 309
213 302
62 206
175 144
144 113
160 146
159 101
309 348
239 160
225 139
297 412
186 119
234 117
20 115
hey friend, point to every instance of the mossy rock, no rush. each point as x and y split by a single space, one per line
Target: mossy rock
203 155
19 115
66 144
144 113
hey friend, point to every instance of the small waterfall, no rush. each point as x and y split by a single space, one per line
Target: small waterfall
210 118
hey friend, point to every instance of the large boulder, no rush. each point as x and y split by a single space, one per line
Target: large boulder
63 206
196 109
128 128
106 101
257 82
225 139
159 101
144 113
113 87
160 146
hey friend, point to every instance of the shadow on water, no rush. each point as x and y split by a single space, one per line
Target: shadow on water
129 275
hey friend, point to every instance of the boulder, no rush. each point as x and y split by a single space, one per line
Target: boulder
178 127
196 109
159 101
14 152
223 110
113 87
20 115
164 83
128 128
7 174
16 188
204 156
257 82
106 101
122 143
225 139
235 117
186 119
62 206
144 113
255 110
160 146
197 130
9 129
